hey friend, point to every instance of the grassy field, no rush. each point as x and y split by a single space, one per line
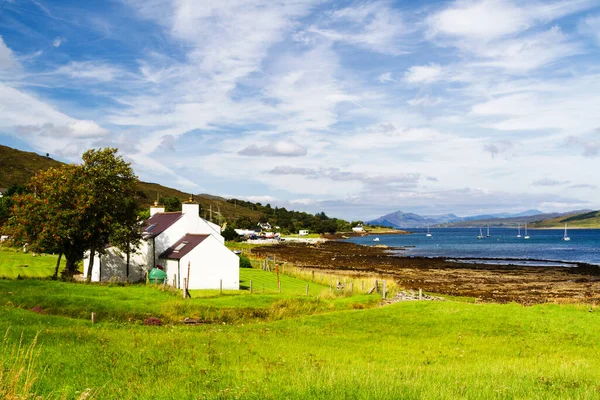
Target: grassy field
15 264
288 345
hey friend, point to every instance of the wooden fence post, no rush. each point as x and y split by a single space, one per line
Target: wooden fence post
250 286
184 288
93 317
383 290
307 289
362 289
279 286
420 294
220 286
313 275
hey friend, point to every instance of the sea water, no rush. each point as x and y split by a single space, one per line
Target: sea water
544 248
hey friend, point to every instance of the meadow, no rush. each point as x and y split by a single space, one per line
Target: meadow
287 345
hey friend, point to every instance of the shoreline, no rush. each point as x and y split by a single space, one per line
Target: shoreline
485 282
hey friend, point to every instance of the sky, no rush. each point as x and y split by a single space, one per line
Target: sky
355 108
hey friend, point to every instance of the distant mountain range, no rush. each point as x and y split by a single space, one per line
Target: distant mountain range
404 220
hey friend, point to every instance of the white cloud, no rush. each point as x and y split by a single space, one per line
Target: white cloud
426 101
590 26
374 26
549 182
58 41
529 52
482 20
87 70
487 20
385 77
423 73
7 57
275 149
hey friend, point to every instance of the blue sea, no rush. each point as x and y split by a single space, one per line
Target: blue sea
544 248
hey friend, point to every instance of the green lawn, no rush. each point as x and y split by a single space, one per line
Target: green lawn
14 264
289 345
437 350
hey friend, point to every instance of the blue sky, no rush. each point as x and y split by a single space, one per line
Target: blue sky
357 108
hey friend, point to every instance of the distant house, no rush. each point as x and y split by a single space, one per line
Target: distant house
265 226
2 191
303 232
358 228
164 232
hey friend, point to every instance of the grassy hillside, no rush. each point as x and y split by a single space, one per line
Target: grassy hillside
16 167
582 220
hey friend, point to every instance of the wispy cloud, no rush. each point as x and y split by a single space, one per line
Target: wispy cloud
374 26
276 149
494 93
550 182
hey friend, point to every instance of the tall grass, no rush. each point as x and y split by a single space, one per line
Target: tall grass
20 369
17 368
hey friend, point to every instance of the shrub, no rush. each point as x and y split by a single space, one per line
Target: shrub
245 262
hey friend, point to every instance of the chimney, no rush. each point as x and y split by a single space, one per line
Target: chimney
156 208
190 208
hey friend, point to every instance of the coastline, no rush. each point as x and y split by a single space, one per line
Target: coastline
485 282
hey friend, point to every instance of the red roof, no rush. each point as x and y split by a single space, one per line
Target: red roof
159 222
183 246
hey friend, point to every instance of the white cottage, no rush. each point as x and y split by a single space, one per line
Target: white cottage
202 260
210 261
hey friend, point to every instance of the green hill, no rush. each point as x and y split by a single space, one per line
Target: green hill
581 220
17 167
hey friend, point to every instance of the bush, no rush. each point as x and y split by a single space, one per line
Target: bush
229 234
245 262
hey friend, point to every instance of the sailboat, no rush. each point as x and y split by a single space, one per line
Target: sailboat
519 231
428 233
480 234
566 238
488 230
526 235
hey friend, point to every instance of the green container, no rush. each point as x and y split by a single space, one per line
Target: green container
157 276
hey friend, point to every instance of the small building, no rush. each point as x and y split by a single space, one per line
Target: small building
164 230
303 232
265 226
202 260
358 228
2 191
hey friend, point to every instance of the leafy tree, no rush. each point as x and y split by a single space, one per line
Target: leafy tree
113 185
75 208
127 235
52 215
6 202
171 203
229 233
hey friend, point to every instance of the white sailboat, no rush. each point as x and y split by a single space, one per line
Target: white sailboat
488 230
376 239
526 235
566 237
519 231
480 234
428 233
